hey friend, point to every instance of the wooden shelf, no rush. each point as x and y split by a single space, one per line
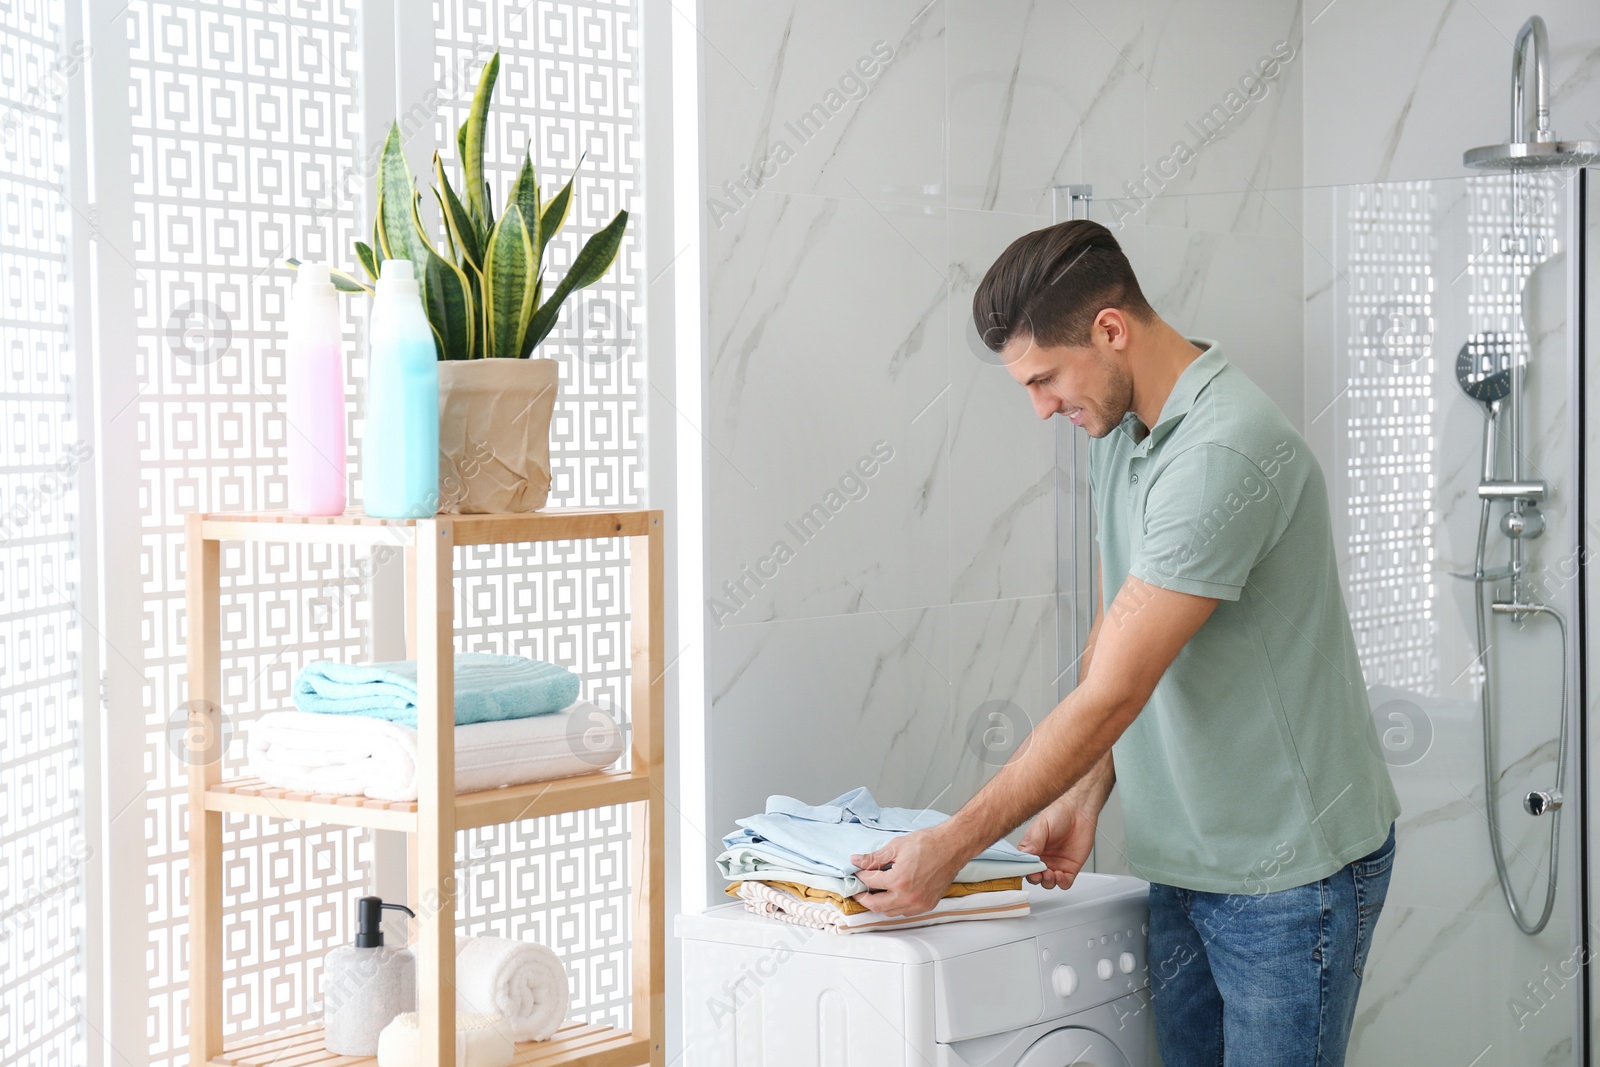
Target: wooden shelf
575 1042
483 808
432 821
356 528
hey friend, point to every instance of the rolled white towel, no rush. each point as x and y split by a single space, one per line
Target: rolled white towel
358 756
482 1040
521 980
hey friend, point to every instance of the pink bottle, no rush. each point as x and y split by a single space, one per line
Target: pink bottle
315 378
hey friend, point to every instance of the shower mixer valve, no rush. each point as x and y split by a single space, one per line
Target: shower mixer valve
1542 802
1522 522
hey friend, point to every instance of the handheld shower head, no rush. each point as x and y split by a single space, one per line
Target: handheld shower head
1483 367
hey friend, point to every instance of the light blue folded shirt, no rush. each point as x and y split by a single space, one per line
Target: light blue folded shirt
821 838
488 688
761 864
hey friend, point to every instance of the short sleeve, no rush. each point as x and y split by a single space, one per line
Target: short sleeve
1209 518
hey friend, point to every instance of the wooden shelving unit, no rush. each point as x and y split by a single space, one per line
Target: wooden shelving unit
439 811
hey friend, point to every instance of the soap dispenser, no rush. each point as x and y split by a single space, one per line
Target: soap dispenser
365 985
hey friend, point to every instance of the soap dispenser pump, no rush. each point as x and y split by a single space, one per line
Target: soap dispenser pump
365 985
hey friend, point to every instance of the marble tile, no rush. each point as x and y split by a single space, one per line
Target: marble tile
1042 94
1241 290
922 706
1001 455
826 97
1443 986
1267 212
827 352
1225 84
813 707
1003 670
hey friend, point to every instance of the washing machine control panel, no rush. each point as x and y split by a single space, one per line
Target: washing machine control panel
1092 964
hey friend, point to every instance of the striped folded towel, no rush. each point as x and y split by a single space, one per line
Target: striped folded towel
488 688
774 903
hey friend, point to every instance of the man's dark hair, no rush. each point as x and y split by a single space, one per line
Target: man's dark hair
1050 284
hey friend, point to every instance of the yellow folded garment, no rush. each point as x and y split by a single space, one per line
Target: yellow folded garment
852 906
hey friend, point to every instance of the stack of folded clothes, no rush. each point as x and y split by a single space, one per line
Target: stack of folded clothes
518 720
792 863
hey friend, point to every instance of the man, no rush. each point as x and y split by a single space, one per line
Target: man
1219 685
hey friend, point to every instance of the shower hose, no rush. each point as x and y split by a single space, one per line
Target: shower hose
1491 781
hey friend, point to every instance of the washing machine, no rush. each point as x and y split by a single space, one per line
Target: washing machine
1064 985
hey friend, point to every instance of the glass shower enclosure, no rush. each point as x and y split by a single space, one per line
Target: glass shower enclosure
1422 300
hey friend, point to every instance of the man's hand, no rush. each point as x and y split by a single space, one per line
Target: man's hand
924 863
1061 836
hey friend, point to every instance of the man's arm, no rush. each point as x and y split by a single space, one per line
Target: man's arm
1132 647
1142 633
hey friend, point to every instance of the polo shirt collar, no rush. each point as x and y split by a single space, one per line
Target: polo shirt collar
1184 391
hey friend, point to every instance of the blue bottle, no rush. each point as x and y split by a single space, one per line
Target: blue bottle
400 450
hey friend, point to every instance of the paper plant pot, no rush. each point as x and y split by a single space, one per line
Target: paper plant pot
494 434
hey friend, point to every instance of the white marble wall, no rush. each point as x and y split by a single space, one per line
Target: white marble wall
842 265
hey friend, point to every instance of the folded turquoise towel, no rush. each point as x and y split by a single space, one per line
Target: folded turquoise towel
488 688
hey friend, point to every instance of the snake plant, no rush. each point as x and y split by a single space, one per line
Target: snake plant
484 288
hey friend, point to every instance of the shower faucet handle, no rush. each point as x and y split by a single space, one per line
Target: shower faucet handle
1522 522
1542 802
1502 489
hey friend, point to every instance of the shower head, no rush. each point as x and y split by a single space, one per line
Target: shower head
1483 367
1533 155
1543 150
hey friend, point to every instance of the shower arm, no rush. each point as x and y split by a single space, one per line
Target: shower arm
1533 28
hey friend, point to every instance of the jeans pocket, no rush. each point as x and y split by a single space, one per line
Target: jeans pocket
1370 876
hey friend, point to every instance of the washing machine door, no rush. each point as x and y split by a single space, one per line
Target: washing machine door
1073 1047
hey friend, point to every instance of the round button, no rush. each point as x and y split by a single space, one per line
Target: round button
1126 962
1135 479
1104 970
1064 980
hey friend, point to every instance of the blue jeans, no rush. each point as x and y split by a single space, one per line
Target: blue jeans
1264 979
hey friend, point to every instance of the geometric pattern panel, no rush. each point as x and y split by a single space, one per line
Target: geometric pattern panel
1389 356
244 119
560 881
43 847
568 90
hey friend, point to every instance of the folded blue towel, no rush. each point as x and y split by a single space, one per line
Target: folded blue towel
488 688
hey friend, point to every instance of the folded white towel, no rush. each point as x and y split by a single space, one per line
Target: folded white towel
481 1041
353 755
521 980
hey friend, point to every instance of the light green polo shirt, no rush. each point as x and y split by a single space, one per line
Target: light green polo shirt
1255 766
